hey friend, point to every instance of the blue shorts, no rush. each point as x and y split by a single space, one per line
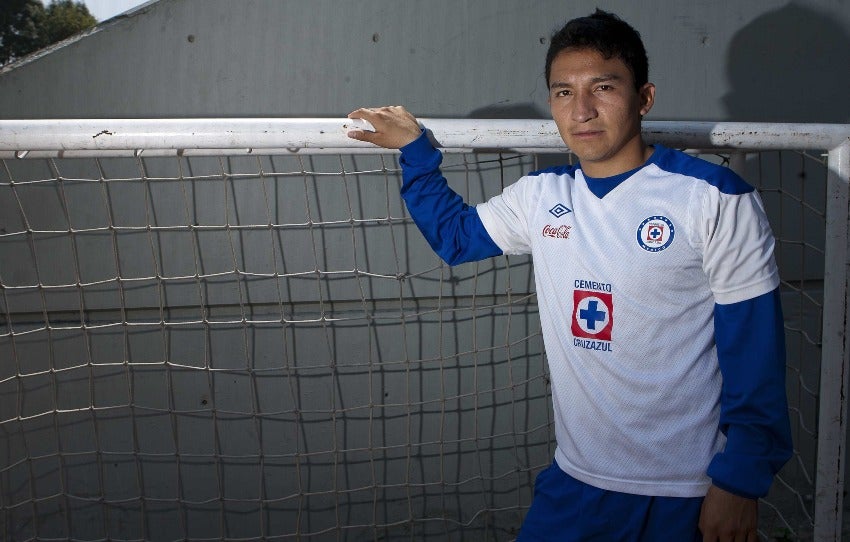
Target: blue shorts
567 510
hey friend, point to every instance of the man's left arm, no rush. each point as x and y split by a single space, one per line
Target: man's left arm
738 247
750 343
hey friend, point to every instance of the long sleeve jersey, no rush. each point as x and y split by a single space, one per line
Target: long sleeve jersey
659 305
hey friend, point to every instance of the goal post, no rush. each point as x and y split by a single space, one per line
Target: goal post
835 368
231 328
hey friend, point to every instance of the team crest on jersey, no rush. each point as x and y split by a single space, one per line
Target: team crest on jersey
593 316
655 233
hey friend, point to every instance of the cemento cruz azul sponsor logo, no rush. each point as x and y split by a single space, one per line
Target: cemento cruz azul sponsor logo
593 318
602 346
592 285
557 232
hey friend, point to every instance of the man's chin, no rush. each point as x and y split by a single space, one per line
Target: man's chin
586 153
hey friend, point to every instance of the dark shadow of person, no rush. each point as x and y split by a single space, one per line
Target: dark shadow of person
789 65
519 110
792 65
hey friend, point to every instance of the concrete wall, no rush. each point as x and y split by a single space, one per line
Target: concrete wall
760 60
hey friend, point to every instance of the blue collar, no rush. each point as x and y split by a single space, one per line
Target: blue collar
600 186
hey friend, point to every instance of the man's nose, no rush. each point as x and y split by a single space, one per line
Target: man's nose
584 107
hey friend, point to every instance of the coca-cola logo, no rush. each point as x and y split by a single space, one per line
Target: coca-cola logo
557 232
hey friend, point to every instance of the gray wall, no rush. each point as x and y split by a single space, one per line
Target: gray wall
760 60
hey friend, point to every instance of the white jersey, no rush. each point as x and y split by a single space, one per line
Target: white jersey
626 285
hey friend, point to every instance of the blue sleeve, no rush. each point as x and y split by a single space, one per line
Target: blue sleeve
451 227
750 342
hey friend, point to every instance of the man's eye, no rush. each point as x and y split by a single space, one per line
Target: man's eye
562 93
603 87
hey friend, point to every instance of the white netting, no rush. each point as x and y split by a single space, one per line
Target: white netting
252 348
265 348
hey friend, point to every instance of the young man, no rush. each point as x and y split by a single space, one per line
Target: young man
659 306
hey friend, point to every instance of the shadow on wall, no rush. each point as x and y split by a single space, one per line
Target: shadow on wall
526 110
789 65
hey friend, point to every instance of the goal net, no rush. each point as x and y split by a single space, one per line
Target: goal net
231 329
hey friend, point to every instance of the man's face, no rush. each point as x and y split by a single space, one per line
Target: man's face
598 110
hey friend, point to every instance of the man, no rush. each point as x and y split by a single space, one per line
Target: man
659 305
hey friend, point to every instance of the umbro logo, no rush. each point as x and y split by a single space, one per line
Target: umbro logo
559 210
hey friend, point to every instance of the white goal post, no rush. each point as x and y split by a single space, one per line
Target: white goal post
229 328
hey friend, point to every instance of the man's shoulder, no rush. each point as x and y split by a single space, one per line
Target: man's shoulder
560 170
716 175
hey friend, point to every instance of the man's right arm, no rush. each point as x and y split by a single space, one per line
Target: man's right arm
451 227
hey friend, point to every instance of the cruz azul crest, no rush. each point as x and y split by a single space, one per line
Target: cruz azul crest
655 233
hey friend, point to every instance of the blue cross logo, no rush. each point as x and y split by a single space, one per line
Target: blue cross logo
592 314
655 233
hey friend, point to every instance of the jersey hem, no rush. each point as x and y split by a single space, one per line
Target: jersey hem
651 489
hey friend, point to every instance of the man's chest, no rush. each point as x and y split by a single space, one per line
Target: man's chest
637 232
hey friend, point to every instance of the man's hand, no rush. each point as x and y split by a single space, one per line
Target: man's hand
728 518
394 126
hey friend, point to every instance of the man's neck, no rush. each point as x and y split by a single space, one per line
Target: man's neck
632 156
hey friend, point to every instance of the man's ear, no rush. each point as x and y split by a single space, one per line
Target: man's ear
647 98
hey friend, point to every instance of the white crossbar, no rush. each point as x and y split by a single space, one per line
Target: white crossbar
120 137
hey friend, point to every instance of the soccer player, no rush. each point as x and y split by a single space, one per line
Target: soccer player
659 304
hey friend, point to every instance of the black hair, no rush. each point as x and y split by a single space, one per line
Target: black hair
607 34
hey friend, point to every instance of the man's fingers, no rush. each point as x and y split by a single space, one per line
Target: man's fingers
361 113
360 128
374 114
361 135
390 127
